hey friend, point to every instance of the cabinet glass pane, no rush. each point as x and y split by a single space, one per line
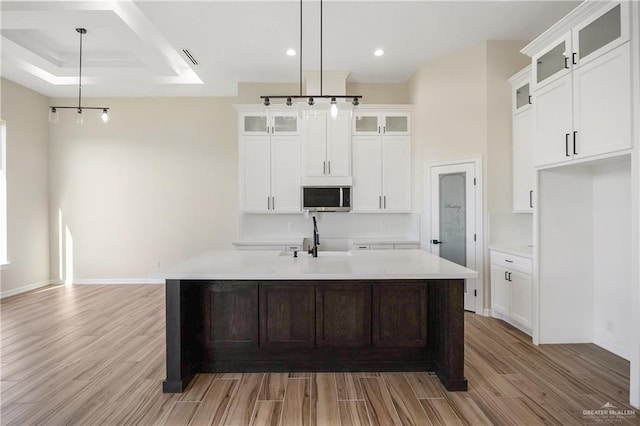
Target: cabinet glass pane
551 62
522 96
255 123
600 32
367 124
396 123
285 123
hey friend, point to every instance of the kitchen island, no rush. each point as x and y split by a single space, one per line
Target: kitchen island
266 311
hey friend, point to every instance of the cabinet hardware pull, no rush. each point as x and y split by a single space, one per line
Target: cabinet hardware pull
509 261
324 167
566 62
384 129
505 276
378 129
566 144
531 198
273 129
575 133
530 100
273 203
328 167
268 203
379 201
384 197
573 58
509 276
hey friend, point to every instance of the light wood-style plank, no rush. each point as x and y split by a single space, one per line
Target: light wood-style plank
378 402
296 408
273 387
215 402
404 400
267 413
95 355
325 400
353 413
198 387
349 387
243 401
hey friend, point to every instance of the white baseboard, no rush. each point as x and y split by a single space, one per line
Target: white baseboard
119 281
605 343
24 289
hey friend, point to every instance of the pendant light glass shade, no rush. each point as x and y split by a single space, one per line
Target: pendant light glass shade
105 115
79 119
53 116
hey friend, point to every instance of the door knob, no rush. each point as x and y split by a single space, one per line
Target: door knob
436 242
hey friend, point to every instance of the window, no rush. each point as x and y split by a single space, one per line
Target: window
3 193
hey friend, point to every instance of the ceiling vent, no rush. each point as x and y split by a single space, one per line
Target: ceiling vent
190 56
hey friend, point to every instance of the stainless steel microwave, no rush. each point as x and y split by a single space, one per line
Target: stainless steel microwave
326 198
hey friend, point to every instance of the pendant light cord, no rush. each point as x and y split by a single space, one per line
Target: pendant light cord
300 47
80 77
321 48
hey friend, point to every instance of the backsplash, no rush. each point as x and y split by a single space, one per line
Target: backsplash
336 226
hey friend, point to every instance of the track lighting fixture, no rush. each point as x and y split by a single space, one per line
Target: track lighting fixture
53 110
310 98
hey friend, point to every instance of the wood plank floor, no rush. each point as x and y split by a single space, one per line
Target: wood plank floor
95 355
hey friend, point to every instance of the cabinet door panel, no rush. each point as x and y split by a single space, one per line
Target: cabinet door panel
339 145
399 315
287 315
603 104
285 173
315 145
230 315
553 123
500 290
343 315
367 173
553 63
256 173
366 124
523 172
521 298
601 33
396 173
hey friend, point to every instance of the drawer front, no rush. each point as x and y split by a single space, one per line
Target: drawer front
406 246
510 261
381 246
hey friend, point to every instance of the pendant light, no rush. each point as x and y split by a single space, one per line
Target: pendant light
311 98
53 110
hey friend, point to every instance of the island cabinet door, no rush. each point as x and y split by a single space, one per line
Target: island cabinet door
343 315
230 315
287 316
399 315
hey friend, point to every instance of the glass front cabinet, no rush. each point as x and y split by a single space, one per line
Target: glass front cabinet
382 123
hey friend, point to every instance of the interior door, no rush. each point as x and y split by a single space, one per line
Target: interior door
453 220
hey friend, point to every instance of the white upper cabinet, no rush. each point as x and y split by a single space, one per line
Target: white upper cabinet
582 85
270 174
276 122
327 144
381 174
382 123
522 121
592 31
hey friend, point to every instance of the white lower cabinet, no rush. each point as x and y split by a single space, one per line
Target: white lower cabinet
511 289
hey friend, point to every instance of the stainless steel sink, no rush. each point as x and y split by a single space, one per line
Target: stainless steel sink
320 253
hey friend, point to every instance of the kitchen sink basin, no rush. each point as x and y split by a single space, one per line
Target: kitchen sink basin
320 253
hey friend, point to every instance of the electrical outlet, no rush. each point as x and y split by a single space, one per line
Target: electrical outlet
609 326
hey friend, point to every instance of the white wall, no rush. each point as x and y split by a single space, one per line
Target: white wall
613 289
585 243
25 113
154 185
462 110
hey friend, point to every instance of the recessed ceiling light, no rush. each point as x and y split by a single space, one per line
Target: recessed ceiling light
379 52
291 52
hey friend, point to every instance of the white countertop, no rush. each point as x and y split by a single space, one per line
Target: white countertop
523 250
270 265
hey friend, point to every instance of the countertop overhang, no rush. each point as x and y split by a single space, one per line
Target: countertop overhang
271 265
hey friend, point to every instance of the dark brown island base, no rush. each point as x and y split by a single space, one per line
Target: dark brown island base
315 325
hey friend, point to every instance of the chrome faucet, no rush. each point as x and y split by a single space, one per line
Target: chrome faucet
316 239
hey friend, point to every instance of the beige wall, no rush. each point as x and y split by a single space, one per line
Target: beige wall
25 113
462 110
